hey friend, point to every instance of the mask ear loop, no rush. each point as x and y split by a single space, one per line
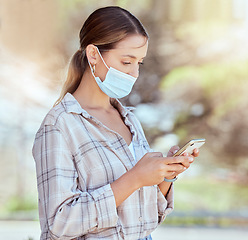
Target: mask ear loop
93 68
102 57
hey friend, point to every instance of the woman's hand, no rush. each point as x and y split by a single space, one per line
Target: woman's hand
165 186
174 149
153 168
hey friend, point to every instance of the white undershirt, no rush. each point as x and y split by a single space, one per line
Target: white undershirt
131 148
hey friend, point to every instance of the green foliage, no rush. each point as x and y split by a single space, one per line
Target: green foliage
212 77
206 194
220 84
16 203
205 201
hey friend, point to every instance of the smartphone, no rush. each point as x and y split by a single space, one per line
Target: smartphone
190 146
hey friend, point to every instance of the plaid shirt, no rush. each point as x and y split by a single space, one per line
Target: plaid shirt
77 158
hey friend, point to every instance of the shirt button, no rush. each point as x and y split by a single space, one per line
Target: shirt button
140 219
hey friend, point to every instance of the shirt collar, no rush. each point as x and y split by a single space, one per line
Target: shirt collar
118 105
71 105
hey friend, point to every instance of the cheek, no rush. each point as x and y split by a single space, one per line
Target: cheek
123 68
101 71
115 62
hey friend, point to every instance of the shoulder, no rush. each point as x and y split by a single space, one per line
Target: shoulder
54 116
58 119
62 114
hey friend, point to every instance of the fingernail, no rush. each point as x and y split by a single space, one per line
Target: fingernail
191 159
184 168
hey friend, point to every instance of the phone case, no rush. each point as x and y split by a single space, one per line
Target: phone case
190 146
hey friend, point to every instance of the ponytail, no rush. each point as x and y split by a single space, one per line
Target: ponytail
76 70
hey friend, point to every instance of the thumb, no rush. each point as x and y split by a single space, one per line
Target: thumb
172 151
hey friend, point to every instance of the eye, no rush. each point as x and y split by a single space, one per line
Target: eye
141 63
126 63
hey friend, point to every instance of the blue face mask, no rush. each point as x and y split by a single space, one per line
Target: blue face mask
117 84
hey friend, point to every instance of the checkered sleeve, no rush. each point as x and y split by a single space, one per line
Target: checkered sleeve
65 210
165 204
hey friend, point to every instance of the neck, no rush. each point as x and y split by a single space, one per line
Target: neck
89 95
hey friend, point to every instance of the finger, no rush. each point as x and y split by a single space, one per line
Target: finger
184 164
196 152
177 168
185 154
186 161
180 159
172 151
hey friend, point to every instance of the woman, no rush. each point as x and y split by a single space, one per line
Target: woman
97 177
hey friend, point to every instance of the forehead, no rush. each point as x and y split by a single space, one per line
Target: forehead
134 44
133 41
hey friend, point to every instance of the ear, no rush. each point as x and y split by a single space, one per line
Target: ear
92 54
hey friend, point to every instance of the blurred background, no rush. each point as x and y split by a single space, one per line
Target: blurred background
193 84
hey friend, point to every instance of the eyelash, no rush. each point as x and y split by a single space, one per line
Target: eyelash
127 63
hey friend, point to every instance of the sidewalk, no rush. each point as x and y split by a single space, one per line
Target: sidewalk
23 230
19 230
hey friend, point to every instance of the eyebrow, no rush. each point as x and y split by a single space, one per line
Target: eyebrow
131 56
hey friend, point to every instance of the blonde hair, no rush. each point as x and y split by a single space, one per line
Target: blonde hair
103 28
